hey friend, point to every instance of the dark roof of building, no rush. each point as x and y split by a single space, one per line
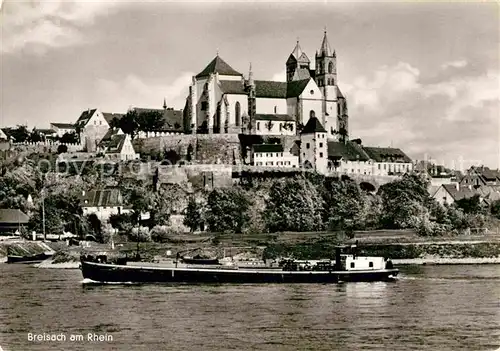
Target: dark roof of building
85 116
13 216
267 148
232 86
107 137
218 65
485 172
386 154
63 125
463 192
313 126
115 143
348 151
301 74
275 117
172 119
280 90
110 116
102 198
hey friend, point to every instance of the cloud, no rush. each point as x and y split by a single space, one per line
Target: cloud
453 119
38 26
279 77
454 64
118 96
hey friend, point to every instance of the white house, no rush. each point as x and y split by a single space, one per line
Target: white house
62 128
118 146
103 203
93 126
314 146
388 161
273 155
348 158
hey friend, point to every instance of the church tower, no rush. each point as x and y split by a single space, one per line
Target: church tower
297 65
326 79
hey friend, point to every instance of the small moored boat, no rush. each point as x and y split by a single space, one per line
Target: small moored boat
345 268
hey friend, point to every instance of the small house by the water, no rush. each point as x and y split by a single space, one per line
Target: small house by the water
12 220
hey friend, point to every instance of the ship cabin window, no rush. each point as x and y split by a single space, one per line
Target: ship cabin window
352 264
370 264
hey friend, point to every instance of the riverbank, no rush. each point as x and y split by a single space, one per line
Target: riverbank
446 261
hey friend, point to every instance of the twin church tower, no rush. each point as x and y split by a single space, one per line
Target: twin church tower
222 100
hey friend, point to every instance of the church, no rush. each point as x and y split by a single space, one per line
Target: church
221 100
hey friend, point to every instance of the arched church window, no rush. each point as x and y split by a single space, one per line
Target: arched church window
237 113
312 114
330 67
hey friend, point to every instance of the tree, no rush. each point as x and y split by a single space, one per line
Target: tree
193 219
294 205
62 149
35 136
403 200
470 205
20 134
96 227
227 210
69 138
495 209
149 121
344 204
129 123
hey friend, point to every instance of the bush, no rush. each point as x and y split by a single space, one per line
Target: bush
162 233
141 234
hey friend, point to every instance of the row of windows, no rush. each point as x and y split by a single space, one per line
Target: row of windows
281 126
396 168
320 154
268 154
271 163
308 146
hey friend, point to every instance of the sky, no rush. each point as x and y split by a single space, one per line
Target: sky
423 77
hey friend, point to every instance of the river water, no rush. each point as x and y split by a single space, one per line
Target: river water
428 308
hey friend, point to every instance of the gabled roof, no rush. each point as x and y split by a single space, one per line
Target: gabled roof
110 197
387 154
3 136
313 126
347 151
270 89
218 65
115 144
13 216
301 73
109 134
460 192
275 117
232 86
280 90
267 148
85 116
63 125
110 116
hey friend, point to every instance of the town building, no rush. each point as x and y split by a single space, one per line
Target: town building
388 161
103 203
478 176
62 128
12 221
222 101
274 155
92 126
117 146
171 121
349 158
3 136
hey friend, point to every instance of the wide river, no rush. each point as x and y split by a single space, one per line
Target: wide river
429 307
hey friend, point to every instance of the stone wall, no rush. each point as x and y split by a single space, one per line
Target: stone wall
201 176
207 149
44 146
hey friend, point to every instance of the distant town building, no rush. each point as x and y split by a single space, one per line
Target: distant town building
388 161
118 146
92 125
12 220
62 128
478 176
349 158
273 155
103 203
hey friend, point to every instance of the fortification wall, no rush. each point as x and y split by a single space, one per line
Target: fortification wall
44 146
206 148
196 176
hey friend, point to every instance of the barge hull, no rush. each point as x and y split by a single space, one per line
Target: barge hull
110 273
